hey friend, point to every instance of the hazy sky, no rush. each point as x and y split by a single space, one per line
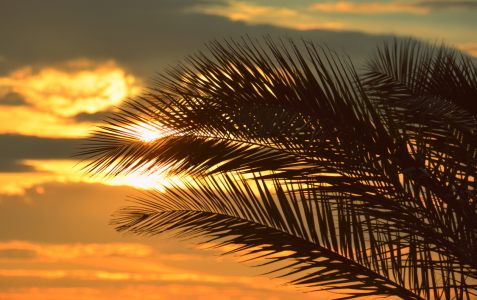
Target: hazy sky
65 64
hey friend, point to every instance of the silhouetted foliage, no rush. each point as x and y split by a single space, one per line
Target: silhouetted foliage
366 180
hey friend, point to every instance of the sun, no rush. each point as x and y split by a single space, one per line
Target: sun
149 136
146 132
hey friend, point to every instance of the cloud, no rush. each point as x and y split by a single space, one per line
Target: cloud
65 228
29 121
145 37
39 172
16 253
132 44
16 148
12 99
51 97
371 7
242 11
182 276
17 183
469 48
27 161
371 17
149 292
70 251
259 14
129 263
91 117
66 171
441 5
7 166
77 86
418 7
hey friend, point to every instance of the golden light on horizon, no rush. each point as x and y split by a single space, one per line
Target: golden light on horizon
66 171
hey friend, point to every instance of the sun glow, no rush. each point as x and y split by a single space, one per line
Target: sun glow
146 132
140 181
65 171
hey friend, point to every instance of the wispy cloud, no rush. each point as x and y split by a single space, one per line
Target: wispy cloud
132 264
469 48
150 292
70 251
371 7
259 14
372 17
413 7
183 276
439 5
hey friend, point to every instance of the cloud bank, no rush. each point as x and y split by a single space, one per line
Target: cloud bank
48 98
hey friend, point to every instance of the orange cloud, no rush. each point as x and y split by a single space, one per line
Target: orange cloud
30 121
259 14
184 276
149 292
469 48
331 15
181 257
133 262
68 251
47 99
78 86
129 263
370 8
242 11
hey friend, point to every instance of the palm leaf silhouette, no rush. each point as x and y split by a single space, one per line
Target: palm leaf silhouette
365 184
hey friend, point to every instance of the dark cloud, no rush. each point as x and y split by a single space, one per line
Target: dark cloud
17 253
13 99
144 36
127 31
94 117
448 5
16 147
8 166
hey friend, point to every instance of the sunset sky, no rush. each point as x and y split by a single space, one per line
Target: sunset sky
64 65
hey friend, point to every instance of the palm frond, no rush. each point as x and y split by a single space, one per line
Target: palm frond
263 220
286 145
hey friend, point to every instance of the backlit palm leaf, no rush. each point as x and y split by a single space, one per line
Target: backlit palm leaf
370 183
